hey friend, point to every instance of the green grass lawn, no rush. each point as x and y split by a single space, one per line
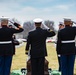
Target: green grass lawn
20 59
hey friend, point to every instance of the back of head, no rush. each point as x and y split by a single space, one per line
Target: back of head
4 21
38 22
61 25
67 22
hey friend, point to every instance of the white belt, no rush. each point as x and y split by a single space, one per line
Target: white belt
5 42
69 41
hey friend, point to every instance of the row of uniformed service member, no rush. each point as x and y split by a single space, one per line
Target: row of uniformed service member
6 45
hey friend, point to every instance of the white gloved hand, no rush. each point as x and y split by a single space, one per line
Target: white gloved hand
13 20
45 27
74 22
59 55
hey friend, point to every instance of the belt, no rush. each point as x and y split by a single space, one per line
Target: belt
5 42
69 41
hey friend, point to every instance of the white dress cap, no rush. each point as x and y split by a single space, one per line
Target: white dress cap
4 18
37 20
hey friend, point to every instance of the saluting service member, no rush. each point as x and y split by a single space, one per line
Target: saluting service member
36 43
61 25
66 47
6 46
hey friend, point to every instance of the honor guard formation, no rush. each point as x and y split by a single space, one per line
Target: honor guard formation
36 48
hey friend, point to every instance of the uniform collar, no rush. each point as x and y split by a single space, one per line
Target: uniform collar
4 26
38 28
67 26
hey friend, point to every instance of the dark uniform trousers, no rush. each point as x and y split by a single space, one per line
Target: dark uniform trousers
37 66
29 70
5 65
67 64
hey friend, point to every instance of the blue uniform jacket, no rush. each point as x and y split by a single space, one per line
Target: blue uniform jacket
66 34
6 35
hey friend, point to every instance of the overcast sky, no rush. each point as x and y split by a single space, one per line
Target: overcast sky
25 10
